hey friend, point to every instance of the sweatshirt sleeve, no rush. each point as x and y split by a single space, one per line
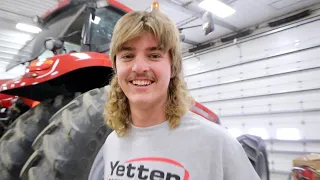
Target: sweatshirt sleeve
236 165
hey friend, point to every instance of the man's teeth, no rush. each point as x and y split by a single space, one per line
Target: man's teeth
141 82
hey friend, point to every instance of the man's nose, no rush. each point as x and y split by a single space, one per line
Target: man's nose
140 64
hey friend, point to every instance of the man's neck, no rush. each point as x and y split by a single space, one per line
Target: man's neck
146 116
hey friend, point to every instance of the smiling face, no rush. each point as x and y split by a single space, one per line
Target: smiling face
143 71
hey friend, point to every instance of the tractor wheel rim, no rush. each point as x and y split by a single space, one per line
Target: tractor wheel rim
262 167
97 168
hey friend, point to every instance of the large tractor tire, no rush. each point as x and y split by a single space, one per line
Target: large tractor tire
15 144
256 151
68 146
11 114
3 117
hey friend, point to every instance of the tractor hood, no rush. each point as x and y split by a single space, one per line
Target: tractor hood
61 74
2 81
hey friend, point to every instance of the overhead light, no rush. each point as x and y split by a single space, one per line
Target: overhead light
28 28
217 7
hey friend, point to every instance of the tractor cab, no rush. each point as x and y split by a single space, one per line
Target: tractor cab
76 27
70 54
91 31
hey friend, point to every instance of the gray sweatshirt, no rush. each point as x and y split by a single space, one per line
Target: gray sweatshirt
196 150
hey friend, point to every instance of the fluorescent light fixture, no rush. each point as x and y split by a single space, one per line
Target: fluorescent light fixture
235 132
288 134
217 7
261 132
28 28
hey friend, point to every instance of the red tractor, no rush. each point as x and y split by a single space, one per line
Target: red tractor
68 70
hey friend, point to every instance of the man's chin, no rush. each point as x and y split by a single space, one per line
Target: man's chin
140 101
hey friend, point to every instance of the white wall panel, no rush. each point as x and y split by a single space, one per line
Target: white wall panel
211 61
278 176
305 36
272 85
286 119
313 147
272 66
268 86
281 42
280 162
265 100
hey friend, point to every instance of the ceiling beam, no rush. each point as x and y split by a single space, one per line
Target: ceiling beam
15 13
217 20
4 61
187 21
190 42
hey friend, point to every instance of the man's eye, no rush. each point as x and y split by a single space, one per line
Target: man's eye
130 56
154 56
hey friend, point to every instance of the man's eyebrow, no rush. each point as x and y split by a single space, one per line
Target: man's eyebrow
154 48
125 48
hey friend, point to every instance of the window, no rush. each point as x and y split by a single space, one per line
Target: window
261 132
288 134
103 24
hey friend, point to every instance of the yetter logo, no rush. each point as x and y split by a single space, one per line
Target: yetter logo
151 168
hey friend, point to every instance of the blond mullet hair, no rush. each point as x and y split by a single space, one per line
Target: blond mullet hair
129 27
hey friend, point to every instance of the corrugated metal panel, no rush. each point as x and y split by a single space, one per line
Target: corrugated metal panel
28 8
265 86
20 10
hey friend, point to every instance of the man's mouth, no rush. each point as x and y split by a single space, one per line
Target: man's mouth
141 82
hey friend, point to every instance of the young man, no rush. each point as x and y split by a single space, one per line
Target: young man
155 135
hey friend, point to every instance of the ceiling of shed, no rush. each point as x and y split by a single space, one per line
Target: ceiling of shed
184 12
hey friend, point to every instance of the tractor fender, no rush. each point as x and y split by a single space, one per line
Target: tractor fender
203 111
43 70
6 100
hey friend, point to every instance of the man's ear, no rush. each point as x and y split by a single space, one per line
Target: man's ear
114 66
173 73
114 69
